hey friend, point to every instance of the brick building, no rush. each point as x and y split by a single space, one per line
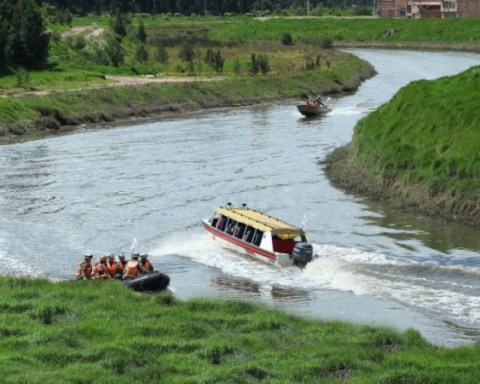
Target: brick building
391 8
416 9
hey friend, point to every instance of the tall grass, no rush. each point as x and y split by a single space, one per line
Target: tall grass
100 332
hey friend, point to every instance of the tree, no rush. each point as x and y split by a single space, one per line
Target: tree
27 40
142 54
218 62
161 54
253 66
119 24
187 53
115 51
3 44
142 34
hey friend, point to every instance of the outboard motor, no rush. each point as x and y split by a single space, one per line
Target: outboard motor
302 254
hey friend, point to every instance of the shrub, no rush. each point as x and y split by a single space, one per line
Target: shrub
325 42
286 38
78 42
115 51
23 78
99 55
264 63
301 11
237 66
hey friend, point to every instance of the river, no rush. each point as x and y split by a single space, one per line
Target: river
95 189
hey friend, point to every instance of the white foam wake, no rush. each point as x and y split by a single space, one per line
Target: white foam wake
414 284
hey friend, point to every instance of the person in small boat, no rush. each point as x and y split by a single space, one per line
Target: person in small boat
145 265
84 269
318 101
112 265
100 272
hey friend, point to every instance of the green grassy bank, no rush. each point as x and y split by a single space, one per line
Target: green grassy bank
42 114
100 332
436 32
421 150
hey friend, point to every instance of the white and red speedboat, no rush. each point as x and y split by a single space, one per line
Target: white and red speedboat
259 235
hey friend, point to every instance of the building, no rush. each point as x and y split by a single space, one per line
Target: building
391 8
468 8
419 9
416 9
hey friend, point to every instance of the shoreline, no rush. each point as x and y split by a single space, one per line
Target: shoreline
41 116
345 174
431 47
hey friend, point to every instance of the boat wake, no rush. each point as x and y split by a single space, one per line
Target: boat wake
450 290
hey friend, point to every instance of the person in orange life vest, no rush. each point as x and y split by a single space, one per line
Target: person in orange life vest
121 265
145 263
100 272
84 269
133 268
112 265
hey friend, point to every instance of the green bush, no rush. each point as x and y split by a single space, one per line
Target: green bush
286 39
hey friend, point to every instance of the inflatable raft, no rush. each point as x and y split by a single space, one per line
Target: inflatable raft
153 282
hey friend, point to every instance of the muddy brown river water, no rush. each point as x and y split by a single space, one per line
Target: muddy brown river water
95 189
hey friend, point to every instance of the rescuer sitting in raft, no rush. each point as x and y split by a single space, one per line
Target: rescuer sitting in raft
84 269
121 265
146 264
100 272
134 268
112 266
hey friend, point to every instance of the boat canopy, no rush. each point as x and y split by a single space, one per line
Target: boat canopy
262 222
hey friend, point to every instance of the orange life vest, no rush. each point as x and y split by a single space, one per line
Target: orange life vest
88 272
132 269
146 265
100 272
112 268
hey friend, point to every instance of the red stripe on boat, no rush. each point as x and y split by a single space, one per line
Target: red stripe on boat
248 247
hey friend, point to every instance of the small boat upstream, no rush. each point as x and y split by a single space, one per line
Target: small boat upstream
314 108
259 235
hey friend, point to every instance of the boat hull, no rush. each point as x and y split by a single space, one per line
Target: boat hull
153 282
233 243
310 110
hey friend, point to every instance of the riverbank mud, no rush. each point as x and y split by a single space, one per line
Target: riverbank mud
345 173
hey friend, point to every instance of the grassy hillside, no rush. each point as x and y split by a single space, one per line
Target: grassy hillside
436 31
423 147
89 332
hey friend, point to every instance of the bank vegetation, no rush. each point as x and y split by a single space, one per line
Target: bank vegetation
420 151
99 332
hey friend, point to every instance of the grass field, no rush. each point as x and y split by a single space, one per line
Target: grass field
435 31
423 147
100 332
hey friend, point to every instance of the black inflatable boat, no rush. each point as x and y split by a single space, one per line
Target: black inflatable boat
153 282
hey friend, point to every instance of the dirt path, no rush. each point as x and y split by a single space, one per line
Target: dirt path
120 81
